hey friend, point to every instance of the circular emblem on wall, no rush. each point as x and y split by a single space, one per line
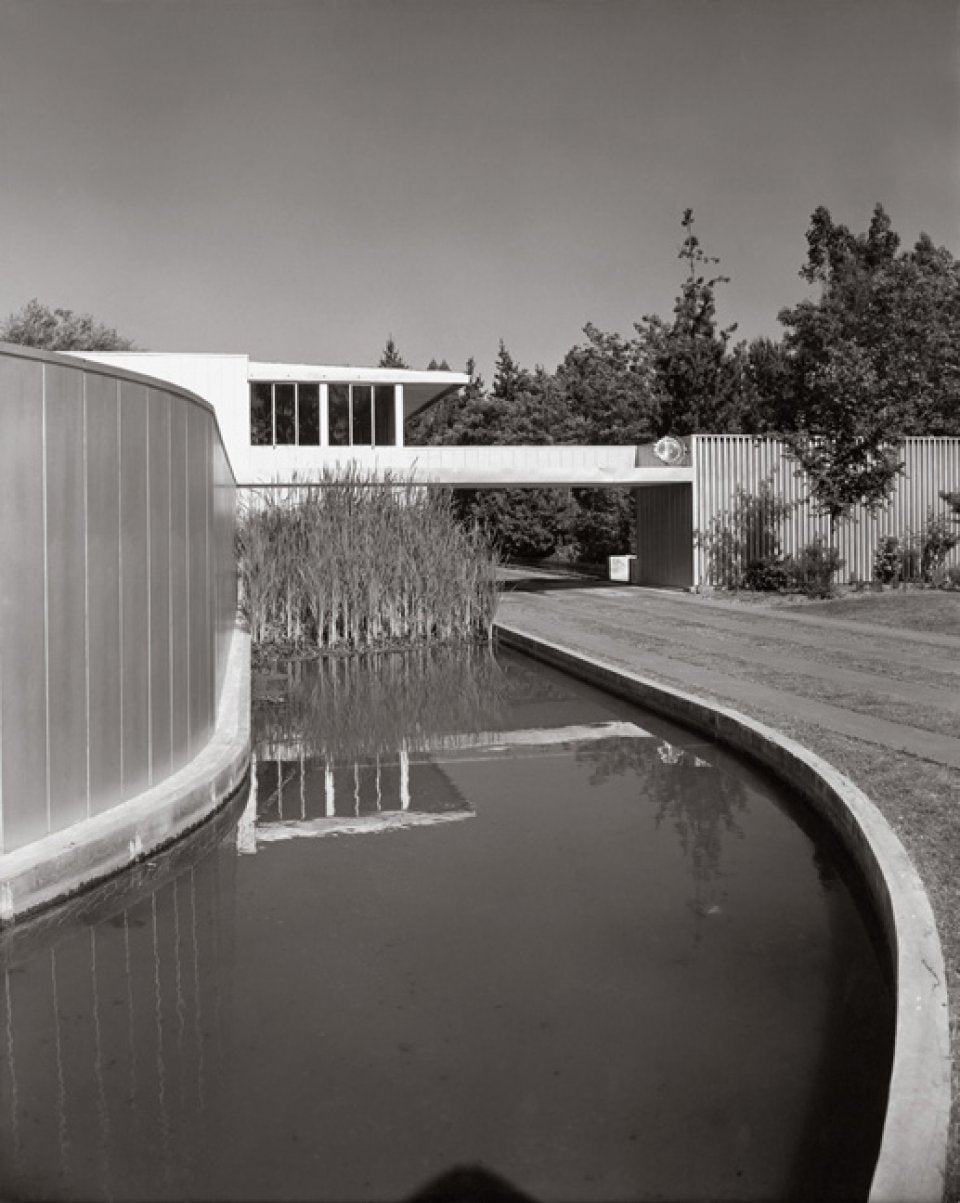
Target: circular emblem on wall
669 450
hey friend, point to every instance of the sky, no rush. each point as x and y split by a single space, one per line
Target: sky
300 179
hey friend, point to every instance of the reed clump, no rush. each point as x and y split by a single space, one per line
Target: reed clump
349 565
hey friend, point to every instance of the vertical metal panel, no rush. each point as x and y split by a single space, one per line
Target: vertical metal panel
725 463
158 419
179 588
103 590
197 554
665 535
23 767
134 586
66 594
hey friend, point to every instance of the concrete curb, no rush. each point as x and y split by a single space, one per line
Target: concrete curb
61 865
913 1150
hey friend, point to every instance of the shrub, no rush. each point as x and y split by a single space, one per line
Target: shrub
603 523
743 543
766 576
888 560
937 541
953 576
813 568
522 524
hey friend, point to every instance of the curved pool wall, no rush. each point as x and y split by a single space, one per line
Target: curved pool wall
122 675
912 1155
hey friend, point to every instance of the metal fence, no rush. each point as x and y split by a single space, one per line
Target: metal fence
724 463
117 586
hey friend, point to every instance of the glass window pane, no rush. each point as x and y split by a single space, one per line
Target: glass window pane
339 397
308 410
362 415
261 414
383 424
285 428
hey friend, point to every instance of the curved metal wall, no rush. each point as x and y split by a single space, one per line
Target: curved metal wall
117 586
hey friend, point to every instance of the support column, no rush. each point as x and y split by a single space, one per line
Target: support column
398 415
324 415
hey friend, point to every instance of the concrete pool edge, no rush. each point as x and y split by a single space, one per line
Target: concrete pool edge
912 1156
62 864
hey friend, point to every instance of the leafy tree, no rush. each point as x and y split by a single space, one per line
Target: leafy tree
36 325
522 524
391 357
843 442
442 366
609 390
698 377
899 309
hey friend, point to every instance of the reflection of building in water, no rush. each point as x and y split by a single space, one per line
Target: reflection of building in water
112 1026
298 795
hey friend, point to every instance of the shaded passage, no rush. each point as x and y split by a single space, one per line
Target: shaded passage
471 914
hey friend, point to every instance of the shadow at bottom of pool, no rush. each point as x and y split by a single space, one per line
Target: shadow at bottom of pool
469 1184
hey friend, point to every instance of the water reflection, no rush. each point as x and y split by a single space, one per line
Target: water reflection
347 1019
111 1008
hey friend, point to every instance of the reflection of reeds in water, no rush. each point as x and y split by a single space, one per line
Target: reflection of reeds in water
350 565
345 708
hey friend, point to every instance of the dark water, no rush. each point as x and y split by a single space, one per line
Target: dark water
471 914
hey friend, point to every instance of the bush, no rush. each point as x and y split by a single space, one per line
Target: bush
937 541
743 543
888 560
766 576
522 524
813 568
953 576
603 523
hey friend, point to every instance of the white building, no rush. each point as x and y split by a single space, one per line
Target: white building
275 417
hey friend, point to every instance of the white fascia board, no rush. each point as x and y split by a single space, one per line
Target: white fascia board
351 375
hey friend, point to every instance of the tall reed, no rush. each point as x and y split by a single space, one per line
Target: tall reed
349 564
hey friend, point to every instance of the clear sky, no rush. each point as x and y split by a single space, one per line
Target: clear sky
300 179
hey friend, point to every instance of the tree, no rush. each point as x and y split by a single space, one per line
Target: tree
442 366
609 390
843 443
900 309
698 377
36 325
391 357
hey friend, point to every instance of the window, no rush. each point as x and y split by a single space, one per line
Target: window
308 414
284 413
362 415
261 415
339 398
383 424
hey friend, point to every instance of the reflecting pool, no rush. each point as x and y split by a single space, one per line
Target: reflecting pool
470 913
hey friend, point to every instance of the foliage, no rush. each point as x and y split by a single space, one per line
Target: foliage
813 568
895 314
888 560
843 444
937 541
603 523
36 325
521 524
346 565
953 501
953 575
390 356
698 379
743 543
608 386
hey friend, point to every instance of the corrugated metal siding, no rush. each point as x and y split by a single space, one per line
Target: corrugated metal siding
664 545
724 463
116 548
